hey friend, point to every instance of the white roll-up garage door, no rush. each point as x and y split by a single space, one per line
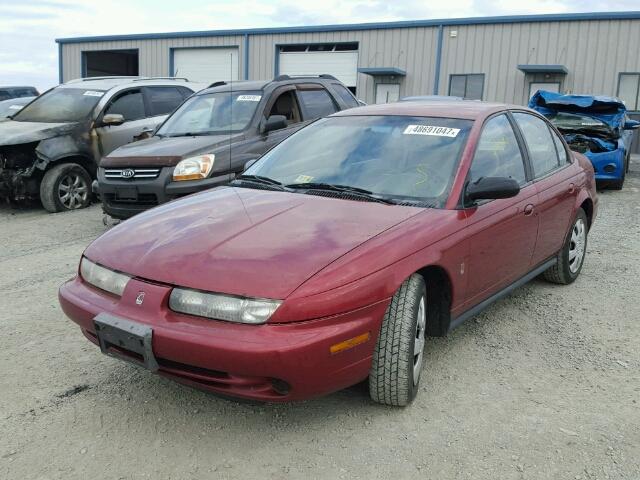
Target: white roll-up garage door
206 65
342 65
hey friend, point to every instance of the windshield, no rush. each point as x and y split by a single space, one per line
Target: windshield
212 113
574 121
60 105
395 157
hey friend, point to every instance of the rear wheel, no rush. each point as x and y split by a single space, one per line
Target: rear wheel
571 258
398 357
65 187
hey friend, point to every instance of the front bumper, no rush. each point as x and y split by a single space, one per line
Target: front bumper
608 166
246 361
150 192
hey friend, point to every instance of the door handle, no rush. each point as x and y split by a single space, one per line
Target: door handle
528 210
572 188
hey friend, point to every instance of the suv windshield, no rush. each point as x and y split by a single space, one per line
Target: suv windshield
575 122
60 105
394 157
212 113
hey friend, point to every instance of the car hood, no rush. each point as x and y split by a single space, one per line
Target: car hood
164 151
242 241
16 133
609 110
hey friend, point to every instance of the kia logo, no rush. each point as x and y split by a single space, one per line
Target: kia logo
128 173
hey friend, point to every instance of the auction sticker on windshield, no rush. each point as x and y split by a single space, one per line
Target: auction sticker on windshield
93 93
431 130
249 98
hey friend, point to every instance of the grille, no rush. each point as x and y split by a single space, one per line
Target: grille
117 173
143 199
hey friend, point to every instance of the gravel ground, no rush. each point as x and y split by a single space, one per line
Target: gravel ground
544 384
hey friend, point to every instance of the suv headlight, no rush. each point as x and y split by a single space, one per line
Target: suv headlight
222 307
194 168
103 278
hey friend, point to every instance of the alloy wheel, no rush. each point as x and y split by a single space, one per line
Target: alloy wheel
419 340
73 191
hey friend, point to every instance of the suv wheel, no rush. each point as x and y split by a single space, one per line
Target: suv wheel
65 187
398 357
571 258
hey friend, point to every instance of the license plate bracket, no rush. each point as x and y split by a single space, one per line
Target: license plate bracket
125 340
129 194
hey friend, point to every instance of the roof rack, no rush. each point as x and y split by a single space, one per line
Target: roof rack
144 79
217 84
280 78
126 77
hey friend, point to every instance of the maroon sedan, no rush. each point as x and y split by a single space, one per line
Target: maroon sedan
333 256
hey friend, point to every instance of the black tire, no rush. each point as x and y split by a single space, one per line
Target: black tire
563 272
70 176
391 379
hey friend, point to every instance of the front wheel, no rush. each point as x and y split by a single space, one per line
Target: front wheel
571 258
65 187
399 353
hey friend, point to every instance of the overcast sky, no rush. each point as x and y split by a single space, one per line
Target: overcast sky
28 28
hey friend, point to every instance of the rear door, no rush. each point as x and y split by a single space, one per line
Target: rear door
502 233
555 183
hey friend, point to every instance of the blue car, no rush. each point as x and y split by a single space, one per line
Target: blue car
596 126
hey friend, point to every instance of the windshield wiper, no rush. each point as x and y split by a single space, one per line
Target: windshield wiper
345 189
260 180
190 134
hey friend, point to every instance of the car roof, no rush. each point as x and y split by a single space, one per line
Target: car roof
463 109
107 83
2 87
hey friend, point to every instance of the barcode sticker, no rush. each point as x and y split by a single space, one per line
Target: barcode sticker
15 107
93 93
431 130
249 98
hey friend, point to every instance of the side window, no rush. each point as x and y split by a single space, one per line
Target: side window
345 95
498 153
129 104
316 103
562 152
286 105
163 100
537 135
185 92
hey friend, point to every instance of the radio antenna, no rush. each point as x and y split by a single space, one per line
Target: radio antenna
231 105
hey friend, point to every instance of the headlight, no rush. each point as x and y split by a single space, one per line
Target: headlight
103 278
194 168
222 307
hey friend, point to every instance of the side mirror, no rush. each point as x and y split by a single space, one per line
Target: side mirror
113 119
631 124
249 163
492 188
275 122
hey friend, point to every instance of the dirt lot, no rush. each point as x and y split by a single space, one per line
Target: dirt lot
545 384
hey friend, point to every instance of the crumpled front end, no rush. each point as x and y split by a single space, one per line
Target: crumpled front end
606 156
18 165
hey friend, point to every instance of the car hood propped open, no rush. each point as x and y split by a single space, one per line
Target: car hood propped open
610 110
242 241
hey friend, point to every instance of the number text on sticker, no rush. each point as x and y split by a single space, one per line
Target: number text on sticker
431 130
249 98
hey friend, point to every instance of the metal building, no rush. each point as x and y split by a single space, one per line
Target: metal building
491 58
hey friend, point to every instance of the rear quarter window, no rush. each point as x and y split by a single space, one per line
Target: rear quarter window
345 95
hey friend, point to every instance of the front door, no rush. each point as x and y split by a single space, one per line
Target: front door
129 104
501 233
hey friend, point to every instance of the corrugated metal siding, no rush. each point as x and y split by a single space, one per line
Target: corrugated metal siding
411 49
594 52
153 54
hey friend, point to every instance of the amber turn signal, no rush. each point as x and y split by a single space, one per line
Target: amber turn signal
347 344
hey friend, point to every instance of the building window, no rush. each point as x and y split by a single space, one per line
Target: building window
629 90
469 86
